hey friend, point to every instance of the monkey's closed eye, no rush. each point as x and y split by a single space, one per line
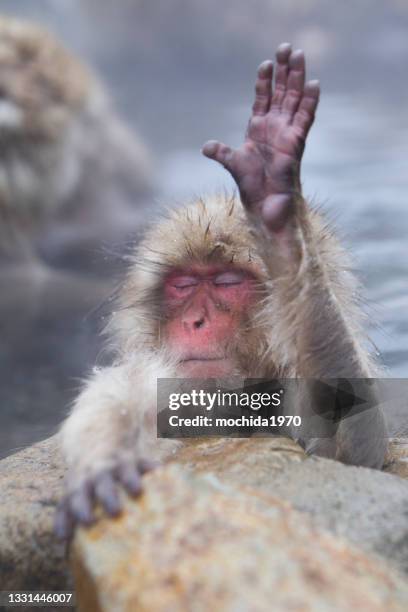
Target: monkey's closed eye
182 282
229 278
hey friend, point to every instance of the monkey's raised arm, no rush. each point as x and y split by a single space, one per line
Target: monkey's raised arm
310 305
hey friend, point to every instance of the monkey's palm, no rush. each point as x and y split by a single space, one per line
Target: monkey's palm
269 160
266 167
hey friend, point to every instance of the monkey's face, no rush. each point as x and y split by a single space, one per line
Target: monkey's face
206 321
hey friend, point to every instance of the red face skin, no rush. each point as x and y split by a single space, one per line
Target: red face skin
206 307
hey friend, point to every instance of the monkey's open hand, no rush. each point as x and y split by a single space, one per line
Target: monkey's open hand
77 507
266 167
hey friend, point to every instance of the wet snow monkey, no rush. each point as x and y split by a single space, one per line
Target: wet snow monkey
225 286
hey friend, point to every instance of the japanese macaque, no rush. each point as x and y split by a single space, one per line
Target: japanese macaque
256 286
71 174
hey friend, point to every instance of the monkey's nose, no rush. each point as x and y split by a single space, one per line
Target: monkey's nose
193 321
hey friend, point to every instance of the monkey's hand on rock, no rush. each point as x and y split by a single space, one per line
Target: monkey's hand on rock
266 167
77 507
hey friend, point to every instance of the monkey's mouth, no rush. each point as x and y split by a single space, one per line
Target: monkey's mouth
205 366
191 359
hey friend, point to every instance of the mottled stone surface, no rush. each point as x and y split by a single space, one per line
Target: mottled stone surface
397 459
364 507
192 543
30 485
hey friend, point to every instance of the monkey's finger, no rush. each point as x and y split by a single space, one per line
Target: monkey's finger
63 522
263 88
295 83
305 114
81 504
130 478
147 465
219 152
106 492
282 70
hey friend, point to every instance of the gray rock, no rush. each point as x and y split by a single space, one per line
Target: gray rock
194 544
366 507
30 556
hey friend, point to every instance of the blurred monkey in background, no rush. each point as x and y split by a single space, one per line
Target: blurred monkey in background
73 181
71 172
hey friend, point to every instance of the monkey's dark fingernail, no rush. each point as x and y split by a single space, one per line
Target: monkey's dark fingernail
134 487
147 465
63 523
265 68
283 51
83 513
130 478
111 504
106 492
210 147
297 59
81 502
